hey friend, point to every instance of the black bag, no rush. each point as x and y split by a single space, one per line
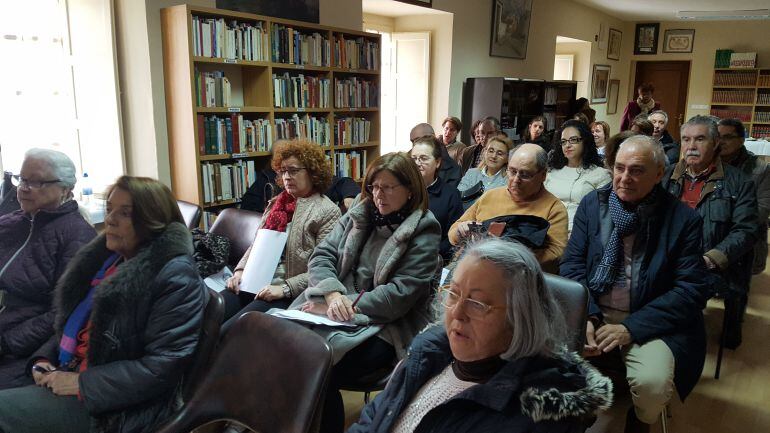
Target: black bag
473 192
530 230
210 251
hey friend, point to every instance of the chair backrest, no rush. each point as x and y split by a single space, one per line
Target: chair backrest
191 213
269 374
212 321
240 226
573 300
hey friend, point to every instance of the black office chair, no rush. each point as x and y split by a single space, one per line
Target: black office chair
191 213
212 321
573 300
240 226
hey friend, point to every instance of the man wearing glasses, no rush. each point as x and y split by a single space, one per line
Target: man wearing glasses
523 195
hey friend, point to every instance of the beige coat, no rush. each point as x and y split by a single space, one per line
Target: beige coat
313 219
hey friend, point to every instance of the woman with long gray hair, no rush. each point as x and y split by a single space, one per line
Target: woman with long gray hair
36 243
498 363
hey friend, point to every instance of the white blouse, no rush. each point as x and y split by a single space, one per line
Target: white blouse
570 185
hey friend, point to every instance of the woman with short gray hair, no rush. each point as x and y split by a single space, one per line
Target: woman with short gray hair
498 363
38 241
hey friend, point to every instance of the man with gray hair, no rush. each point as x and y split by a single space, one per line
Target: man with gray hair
726 200
638 250
524 195
659 120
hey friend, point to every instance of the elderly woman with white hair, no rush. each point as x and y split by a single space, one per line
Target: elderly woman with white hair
38 241
498 363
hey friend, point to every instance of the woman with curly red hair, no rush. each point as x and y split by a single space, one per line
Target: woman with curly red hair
303 212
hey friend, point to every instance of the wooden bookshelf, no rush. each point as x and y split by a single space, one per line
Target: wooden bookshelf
743 94
251 91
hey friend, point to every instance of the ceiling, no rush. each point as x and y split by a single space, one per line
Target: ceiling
665 10
391 8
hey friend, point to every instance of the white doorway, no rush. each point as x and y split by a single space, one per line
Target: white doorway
580 53
411 66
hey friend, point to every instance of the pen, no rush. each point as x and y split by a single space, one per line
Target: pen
358 298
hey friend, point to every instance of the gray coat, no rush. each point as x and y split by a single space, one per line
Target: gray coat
397 307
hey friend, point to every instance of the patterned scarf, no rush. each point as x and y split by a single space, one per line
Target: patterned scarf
646 108
625 223
393 218
281 213
79 317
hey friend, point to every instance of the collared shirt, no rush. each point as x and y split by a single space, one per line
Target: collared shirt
693 186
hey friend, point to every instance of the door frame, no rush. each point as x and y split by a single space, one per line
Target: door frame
683 99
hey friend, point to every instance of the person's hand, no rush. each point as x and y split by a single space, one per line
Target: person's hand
61 382
464 228
311 307
612 336
38 376
234 282
709 263
591 348
270 293
341 309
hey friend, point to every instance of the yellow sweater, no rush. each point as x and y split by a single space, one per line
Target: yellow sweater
498 202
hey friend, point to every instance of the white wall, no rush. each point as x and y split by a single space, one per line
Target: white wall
581 66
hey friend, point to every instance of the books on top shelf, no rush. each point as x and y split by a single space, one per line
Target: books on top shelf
349 164
351 130
358 53
315 129
300 91
289 45
233 134
226 181
355 93
215 37
212 89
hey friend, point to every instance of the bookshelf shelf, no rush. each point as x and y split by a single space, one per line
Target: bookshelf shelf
749 88
229 60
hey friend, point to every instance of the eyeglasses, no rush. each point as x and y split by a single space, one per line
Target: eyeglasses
386 189
422 159
491 151
21 182
571 140
523 175
473 308
291 171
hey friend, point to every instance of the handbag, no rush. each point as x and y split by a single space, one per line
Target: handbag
210 252
473 192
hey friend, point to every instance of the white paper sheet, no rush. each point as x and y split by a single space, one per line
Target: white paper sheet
263 259
444 274
218 281
313 319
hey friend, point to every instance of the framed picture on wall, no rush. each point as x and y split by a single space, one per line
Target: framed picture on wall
599 81
612 96
510 28
678 40
613 44
646 40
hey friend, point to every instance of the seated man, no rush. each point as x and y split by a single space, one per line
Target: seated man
472 155
524 195
726 200
659 121
450 172
638 250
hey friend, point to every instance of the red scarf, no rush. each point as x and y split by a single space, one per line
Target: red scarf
281 212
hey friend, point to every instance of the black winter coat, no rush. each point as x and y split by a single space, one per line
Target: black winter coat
42 248
533 394
728 207
671 282
145 324
671 148
445 203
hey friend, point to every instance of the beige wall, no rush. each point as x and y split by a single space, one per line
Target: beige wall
581 65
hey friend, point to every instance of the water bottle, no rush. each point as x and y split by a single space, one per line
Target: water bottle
86 191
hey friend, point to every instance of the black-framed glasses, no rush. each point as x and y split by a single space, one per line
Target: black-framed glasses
291 171
523 175
386 189
571 140
473 308
20 182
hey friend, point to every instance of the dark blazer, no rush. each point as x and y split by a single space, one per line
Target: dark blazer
450 172
671 287
534 394
671 147
445 203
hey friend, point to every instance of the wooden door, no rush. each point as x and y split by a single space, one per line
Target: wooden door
671 83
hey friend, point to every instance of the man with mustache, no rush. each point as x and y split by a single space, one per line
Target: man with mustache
638 250
726 200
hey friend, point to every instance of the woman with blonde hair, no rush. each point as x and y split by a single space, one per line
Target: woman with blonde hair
491 173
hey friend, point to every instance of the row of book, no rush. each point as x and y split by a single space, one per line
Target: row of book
207 220
226 181
733 96
215 37
212 89
315 129
352 130
763 98
356 53
300 91
760 131
743 78
349 164
234 134
742 115
764 81
289 45
762 116
355 93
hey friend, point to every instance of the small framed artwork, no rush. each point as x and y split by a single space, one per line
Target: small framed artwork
678 40
510 28
646 40
612 96
601 77
613 44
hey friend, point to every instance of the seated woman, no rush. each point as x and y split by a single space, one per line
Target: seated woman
574 168
498 361
385 246
443 200
535 133
491 172
129 313
454 147
304 213
33 256
601 132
